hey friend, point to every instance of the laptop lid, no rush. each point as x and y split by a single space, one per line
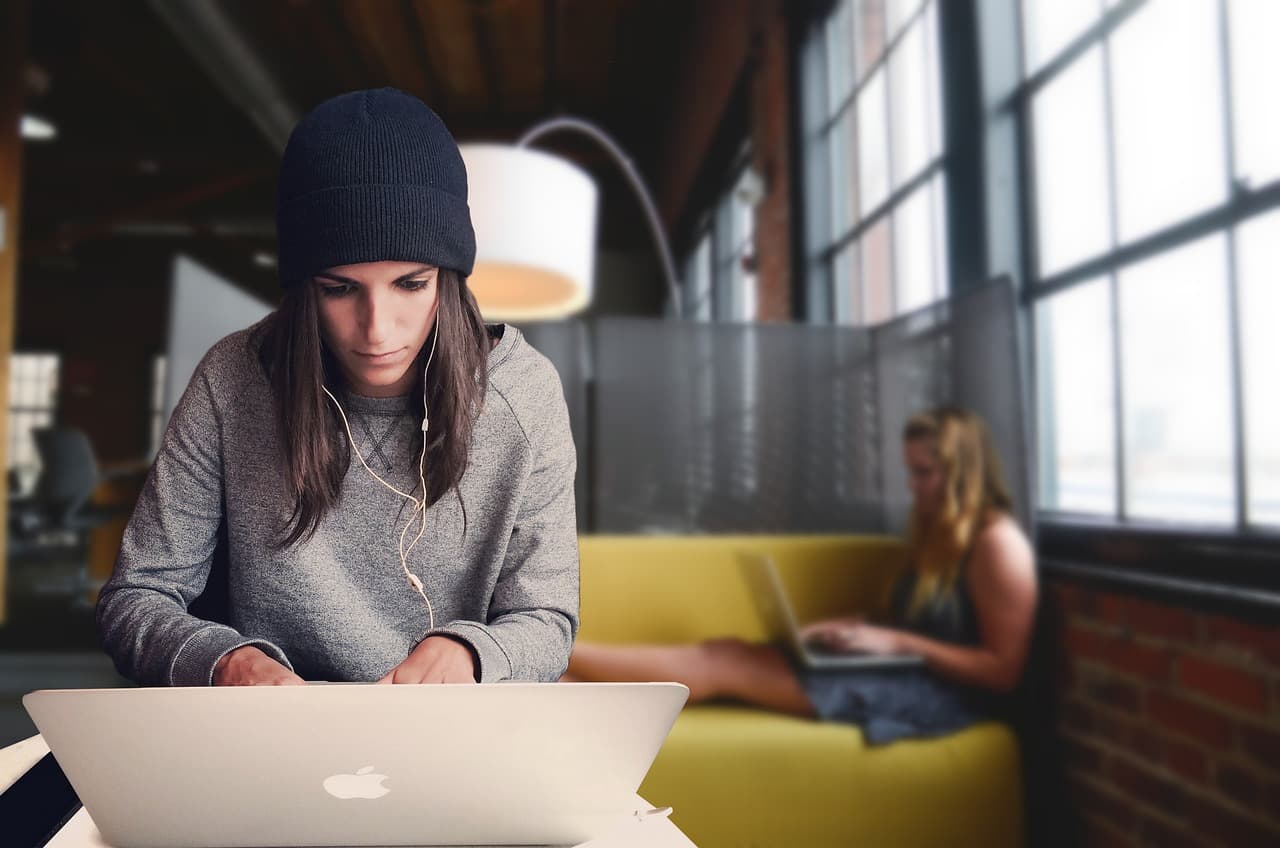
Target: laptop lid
461 764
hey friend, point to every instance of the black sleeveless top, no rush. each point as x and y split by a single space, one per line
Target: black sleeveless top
948 616
898 703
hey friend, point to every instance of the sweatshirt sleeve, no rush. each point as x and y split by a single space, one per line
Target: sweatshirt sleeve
166 554
533 615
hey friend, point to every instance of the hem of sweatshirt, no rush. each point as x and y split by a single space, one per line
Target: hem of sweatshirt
194 662
495 665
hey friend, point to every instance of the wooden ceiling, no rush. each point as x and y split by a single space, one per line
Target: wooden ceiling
158 143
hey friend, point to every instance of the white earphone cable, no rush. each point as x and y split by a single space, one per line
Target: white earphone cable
418 505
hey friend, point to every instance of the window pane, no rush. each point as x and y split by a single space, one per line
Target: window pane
877 274
1177 402
934 64
898 13
938 197
873 154
844 183
913 251
848 298
1073 215
1050 25
1077 401
909 83
698 306
1257 258
1255 66
868 22
839 42
1167 112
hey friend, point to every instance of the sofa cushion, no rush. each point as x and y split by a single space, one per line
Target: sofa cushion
738 776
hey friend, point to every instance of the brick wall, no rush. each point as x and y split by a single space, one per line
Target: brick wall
1170 721
770 108
731 38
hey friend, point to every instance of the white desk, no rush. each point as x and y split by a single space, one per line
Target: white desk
80 832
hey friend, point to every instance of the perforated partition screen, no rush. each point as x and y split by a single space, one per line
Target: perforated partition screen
687 427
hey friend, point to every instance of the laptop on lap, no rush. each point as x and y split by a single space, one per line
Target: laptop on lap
781 626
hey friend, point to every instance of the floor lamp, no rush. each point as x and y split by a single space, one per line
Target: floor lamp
535 220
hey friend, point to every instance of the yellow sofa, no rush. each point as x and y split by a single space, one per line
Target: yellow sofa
739 776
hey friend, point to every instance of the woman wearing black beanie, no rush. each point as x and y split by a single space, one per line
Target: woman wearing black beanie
392 477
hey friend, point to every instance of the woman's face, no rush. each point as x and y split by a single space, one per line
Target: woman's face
375 317
924 475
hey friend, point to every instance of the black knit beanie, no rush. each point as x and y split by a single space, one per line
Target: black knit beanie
371 176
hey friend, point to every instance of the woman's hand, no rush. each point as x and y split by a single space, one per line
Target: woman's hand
437 659
854 635
821 632
249 666
865 638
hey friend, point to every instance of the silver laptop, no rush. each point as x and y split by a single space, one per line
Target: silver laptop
770 596
357 765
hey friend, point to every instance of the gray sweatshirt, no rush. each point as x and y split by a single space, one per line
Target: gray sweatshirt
338 606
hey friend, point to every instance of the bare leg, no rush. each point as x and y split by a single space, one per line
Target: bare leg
721 668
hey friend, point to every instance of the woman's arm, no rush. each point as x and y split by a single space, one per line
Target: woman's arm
1002 583
167 551
533 613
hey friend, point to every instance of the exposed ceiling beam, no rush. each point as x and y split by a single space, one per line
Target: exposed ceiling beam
216 43
151 209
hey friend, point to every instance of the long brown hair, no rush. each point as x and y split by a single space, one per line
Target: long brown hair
315 451
974 491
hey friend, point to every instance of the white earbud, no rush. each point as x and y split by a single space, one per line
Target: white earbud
418 505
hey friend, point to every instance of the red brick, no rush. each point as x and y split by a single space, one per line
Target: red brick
1085 640
1102 803
1067 595
1160 834
1262 745
1111 609
1074 598
1226 684
1255 640
1146 744
1076 716
1114 692
1186 761
1147 786
1272 798
1141 660
1107 727
1081 755
1238 784
1181 716
1214 818
1166 622
1099 834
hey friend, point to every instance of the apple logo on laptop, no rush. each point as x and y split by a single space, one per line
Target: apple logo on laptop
362 784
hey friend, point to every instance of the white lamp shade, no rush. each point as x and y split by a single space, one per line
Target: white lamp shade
535 220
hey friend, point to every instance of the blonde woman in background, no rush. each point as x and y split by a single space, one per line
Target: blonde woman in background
965 603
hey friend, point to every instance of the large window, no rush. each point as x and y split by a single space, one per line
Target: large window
1153 161
33 393
875 186
719 272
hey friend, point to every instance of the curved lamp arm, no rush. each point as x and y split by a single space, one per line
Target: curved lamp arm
633 176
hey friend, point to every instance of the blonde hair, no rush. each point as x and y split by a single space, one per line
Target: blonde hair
973 490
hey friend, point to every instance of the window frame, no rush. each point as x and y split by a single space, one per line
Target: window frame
722 299
820 301
1241 562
